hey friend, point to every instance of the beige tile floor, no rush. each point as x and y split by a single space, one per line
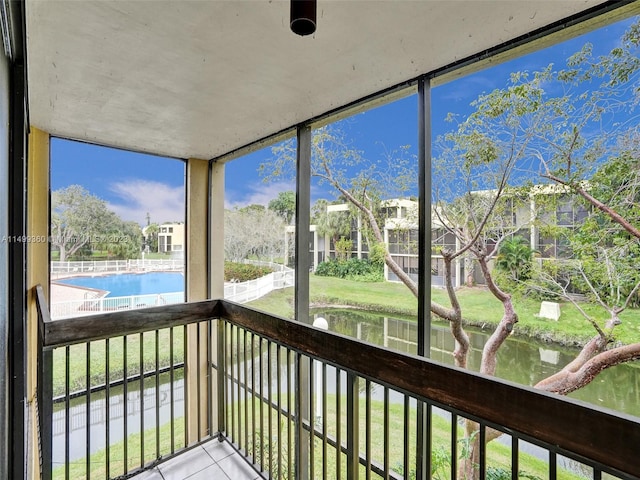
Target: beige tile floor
213 460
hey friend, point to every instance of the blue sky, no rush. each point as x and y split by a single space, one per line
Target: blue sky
133 184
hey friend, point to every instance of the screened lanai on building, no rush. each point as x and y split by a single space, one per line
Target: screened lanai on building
208 82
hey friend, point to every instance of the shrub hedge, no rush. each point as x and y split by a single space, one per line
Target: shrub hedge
243 272
356 269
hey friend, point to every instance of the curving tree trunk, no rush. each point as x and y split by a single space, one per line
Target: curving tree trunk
461 338
468 466
440 310
504 328
587 366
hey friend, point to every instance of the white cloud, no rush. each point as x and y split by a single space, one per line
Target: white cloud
256 193
467 88
164 203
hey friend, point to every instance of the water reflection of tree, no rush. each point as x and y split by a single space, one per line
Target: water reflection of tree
520 360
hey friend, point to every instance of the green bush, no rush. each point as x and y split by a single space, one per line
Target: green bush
360 270
537 287
377 252
499 473
243 272
507 283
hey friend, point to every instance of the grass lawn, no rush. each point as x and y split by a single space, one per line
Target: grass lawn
498 453
479 308
157 256
116 349
136 455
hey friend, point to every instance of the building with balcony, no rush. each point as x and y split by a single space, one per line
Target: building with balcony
170 237
208 82
545 205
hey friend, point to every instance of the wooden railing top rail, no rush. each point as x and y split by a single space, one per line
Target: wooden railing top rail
597 434
88 328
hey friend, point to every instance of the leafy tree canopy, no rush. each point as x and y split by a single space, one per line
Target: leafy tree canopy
80 219
284 205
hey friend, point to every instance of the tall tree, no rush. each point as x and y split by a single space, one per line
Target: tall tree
253 231
284 205
604 265
335 225
77 217
151 236
124 241
565 136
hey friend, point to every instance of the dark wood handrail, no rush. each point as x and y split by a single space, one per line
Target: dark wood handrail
603 436
69 331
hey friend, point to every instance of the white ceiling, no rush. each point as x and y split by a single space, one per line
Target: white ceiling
197 79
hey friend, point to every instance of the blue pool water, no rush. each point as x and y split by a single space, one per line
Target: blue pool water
126 284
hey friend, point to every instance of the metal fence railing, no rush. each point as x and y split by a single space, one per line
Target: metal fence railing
237 292
136 388
92 306
115 399
299 403
108 266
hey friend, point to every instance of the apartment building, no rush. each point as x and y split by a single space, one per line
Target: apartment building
209 82
171 237
544 208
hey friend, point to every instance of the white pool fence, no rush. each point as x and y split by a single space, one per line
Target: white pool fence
114 266
240 292
91 306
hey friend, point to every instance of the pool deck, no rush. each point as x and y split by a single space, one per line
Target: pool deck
67 293
68 300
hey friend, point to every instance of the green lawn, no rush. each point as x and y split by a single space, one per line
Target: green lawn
136 456
98 359
157 256
479 308
498 453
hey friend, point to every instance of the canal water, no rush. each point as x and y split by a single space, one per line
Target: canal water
520 360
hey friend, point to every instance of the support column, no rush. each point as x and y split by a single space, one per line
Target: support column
424 217
197 288
216 289
359 236
423 440
216 242
37 271
533 222
315 249
197 191
303 219
5 373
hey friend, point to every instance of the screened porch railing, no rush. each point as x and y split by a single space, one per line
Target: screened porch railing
298 402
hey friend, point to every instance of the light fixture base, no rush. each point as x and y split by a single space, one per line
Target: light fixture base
303 17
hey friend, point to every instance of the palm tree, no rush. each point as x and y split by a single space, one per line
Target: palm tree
336 225
515 256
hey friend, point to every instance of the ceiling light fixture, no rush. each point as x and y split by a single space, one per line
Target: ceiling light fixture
303 16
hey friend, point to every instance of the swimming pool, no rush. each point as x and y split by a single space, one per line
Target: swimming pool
127 284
